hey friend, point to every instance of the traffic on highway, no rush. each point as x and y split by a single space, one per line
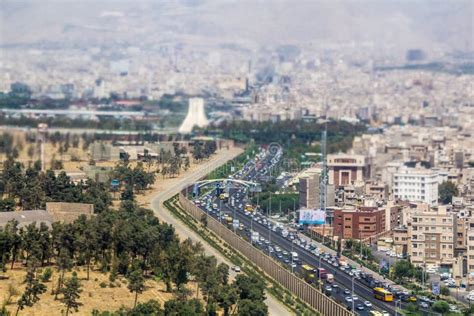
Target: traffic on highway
333 275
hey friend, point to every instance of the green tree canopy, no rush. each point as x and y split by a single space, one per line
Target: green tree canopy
446 191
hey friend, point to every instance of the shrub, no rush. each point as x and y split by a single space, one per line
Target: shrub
46 276
103 284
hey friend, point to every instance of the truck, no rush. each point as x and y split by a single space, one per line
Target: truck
321 273
294 256
330 278
308 273
224 196
342 261
254 236
235 224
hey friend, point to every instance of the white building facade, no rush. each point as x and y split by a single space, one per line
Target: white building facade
416 185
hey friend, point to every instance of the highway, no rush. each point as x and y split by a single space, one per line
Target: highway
344 282
275 307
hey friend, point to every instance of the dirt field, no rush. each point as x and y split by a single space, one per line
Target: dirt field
72 159
93 296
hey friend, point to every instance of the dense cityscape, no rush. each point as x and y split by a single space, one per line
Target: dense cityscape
237 158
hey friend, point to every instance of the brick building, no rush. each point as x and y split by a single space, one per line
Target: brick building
359 223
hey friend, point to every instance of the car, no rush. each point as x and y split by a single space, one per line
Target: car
236 268
328 289
368 304
348 299
354 297
385 313
347 292
453 308
335 286
360 307
279 255
424 305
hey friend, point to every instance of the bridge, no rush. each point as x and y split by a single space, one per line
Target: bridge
252 186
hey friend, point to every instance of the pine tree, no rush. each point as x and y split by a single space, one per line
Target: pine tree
71 292
32 291
136 281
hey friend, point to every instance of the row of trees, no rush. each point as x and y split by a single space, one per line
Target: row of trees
30 188
282 203
130 242
290 133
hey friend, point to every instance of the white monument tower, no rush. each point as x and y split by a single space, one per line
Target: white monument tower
195 117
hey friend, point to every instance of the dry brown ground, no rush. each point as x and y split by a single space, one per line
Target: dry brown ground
93 295
50 151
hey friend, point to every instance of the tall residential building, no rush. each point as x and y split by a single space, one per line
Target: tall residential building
345 169
416 185
432 236
359 223
309 191
470 246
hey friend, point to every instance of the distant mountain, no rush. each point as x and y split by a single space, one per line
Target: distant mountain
397 24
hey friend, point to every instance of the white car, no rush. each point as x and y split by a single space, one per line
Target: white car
236 268
368 304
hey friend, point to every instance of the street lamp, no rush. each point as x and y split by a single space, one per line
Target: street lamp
291 254
396 304
269 224
353 295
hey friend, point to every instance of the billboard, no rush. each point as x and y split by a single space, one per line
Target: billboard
312 217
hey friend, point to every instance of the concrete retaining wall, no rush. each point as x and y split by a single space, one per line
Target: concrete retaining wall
306 292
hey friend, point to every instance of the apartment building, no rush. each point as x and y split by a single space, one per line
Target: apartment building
432 236
470 246
309 190
400 240
359 223
416 185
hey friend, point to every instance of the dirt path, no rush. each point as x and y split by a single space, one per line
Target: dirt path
275 307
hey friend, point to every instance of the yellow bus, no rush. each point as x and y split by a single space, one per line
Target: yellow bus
383 295
248 208
308 273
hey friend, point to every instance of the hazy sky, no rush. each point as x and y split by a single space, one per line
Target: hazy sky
429 24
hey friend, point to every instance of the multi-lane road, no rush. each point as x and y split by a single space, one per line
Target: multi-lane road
345 286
